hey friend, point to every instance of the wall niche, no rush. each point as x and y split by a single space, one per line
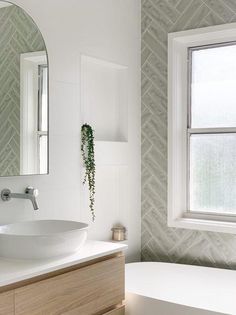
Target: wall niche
104 98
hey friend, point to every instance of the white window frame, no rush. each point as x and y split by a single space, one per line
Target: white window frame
178 102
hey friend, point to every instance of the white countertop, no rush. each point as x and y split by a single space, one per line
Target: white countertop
12 271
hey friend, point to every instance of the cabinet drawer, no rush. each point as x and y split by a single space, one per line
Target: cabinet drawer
117 311
7 303
85 291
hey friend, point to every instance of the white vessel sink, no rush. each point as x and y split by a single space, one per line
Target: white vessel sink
41 239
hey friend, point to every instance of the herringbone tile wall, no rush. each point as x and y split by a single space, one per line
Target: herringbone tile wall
18 34
160 243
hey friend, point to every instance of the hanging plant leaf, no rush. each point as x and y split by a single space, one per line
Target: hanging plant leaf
87 150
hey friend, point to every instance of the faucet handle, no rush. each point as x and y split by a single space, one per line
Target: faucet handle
6 194
32 191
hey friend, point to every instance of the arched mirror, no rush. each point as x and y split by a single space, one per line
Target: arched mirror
23 94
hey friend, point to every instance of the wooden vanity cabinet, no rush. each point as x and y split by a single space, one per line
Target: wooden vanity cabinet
117 311
96 288
7 303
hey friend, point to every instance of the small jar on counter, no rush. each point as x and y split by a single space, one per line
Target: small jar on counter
118 233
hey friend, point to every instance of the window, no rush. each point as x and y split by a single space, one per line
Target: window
212 137
202 129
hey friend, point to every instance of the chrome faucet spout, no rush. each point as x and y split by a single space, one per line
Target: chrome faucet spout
30 193
35 204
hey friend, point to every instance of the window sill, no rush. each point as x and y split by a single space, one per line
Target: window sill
204 225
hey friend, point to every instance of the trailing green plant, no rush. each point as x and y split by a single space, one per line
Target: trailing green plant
87 150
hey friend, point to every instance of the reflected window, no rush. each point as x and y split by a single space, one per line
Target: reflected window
42 131
34 113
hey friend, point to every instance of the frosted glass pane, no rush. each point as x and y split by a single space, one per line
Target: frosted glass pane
213 87
43 154
44 104
213 173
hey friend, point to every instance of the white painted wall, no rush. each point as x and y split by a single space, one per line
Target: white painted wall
108 30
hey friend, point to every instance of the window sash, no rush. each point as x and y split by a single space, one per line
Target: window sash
188 210
189 83
42 169
41 69
210 130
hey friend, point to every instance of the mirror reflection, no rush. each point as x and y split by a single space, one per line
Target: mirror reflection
23 94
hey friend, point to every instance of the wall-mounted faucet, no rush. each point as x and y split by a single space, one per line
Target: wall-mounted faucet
30 193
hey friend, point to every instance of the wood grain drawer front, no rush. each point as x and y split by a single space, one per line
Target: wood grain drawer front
7 303
118 311
84 291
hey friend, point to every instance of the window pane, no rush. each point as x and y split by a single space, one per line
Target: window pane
43 154
43 98
213 173
213 87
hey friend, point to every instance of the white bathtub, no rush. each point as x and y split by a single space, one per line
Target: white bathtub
154 288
